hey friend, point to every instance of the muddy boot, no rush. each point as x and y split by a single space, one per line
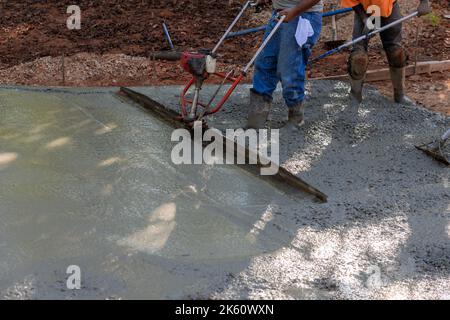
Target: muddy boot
259 109
356 91
296 117
357 68
398 82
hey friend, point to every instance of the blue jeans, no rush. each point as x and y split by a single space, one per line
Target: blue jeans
284 60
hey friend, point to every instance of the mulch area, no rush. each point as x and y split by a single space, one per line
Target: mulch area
115 35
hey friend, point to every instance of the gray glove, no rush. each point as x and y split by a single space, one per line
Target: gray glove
363 16
424 8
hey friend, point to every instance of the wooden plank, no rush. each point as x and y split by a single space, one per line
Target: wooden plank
173 119
384 74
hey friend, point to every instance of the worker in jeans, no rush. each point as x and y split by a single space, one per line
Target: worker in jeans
285 60
359 60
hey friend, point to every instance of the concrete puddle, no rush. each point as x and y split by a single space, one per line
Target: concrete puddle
87 180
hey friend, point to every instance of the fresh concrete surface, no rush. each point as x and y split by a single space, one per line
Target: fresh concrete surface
86 179
388 210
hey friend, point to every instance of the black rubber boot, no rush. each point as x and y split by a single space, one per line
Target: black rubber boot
398 82
296 117
259 109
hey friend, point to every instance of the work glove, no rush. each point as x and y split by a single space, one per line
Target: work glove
259 5
261 2
424 8
363 16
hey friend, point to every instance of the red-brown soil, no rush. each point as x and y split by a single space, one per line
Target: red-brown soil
117 37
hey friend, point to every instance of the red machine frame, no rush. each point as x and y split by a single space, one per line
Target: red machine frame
199 77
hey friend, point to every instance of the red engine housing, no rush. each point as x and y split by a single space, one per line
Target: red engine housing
194 63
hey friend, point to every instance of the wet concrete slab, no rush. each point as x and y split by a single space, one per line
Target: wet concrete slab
82 182
87 180
387 218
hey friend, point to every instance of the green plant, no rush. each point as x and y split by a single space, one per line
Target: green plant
433 19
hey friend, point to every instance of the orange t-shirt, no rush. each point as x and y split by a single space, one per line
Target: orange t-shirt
385 5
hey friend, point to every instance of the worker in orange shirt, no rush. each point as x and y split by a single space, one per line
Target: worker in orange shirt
359 60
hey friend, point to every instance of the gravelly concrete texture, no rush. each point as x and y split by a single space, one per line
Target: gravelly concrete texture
385 231
87 180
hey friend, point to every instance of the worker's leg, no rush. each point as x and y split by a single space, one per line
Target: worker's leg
358 61
359 28
396 54
265 80
292 62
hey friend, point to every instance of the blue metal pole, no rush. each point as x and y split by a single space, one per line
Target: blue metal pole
363 37
246 31
336 12
167 35
263 28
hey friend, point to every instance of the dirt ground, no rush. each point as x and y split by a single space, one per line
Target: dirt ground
117 38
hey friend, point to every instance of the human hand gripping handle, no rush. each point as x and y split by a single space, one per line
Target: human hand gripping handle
363 16
259 5
260 2
424 8
290 14
294 12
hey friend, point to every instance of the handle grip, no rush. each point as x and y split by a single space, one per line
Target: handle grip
278 18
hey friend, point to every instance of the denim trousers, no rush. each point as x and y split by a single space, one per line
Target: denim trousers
283 60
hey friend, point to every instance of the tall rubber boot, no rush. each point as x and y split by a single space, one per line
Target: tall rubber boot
296 117
357 68
259 109
356 90
398 76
